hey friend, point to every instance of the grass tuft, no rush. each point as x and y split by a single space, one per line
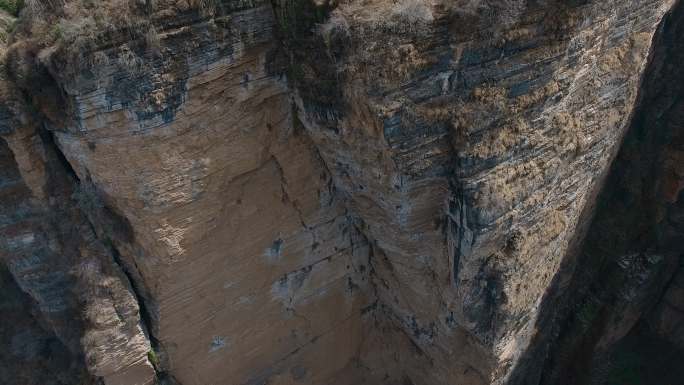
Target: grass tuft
13 7
153 358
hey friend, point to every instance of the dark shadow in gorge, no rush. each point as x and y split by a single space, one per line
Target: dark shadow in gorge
598 323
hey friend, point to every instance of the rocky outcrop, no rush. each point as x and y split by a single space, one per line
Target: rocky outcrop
216 205
444 111
72 286
337 192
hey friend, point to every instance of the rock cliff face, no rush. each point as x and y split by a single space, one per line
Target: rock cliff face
370 192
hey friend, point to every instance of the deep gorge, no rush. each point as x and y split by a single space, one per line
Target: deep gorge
411 192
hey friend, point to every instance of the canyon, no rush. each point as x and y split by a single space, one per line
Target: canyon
324 192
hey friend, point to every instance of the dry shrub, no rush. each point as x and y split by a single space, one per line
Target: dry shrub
152 41
413 11
205 7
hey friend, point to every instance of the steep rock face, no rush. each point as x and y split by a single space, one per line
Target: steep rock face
626 292
219 207
505 120
288 192
74 290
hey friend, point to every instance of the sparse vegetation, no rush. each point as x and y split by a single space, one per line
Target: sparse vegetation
153 358
7 25
205 7
412 12
152 41
76 30
13 7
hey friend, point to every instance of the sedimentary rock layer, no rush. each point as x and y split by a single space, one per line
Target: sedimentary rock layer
336 192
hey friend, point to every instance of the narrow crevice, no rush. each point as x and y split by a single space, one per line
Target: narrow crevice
147 319
115 227
49 141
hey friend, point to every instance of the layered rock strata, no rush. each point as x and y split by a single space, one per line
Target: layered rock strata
625 297
346 192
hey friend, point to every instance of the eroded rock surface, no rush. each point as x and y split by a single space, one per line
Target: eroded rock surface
624 301
344 192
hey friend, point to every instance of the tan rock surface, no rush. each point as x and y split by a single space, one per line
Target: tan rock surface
295 192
